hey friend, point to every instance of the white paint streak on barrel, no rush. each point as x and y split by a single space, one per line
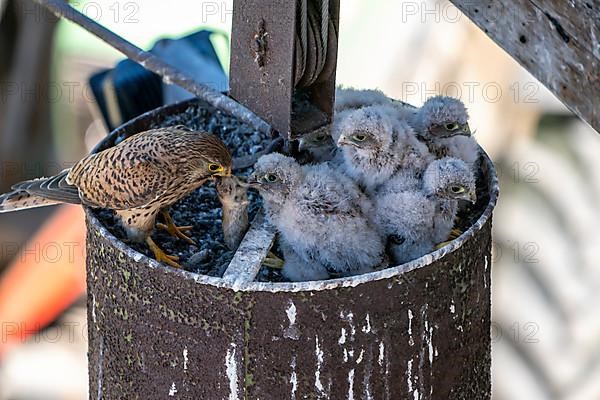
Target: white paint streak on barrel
381 353
411 341
173 390
351 384
367 327
319 355
185 358
342 338
293 379
232 375
292 331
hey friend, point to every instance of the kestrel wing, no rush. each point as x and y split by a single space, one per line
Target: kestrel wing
54 188
123 178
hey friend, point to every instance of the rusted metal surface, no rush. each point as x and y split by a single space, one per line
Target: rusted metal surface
419 330
262 55
155 331
265 63
556 41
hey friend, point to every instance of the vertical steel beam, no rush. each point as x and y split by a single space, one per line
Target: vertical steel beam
263 66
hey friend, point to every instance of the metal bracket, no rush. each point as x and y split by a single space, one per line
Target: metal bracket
263 67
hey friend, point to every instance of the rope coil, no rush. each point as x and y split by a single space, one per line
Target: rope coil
312 41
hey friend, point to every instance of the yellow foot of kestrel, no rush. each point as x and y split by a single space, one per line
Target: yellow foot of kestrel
272 261
160 255
174 230
455 233
439 246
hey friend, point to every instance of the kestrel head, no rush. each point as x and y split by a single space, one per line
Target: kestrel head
214 155
442 117
366 131
275 176
450 178
317 140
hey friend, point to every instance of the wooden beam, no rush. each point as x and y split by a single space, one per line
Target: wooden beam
557 41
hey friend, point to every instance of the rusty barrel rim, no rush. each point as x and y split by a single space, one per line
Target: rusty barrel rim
287 286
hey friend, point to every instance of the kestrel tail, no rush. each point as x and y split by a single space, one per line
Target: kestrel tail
137 179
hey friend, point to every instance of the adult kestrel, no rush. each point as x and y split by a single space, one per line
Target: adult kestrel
137 179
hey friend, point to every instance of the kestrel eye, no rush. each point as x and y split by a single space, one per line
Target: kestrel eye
271 178
215 168
320 138
452 126
457 189
359 137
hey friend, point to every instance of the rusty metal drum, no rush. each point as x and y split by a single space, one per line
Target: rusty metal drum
416 331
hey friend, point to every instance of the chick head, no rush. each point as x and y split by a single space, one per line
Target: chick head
366 131
450 178
275 176
442 117
316 139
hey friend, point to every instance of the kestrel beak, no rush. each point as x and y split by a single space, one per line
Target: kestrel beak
226 172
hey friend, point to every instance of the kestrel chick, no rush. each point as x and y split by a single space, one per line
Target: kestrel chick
350 98
321 215
416 220
319 144
138 178
442 122
376 145
234 200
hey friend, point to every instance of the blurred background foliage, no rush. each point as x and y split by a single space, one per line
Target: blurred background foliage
546 278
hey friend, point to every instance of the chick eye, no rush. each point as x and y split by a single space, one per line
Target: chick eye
457 189
271 178
397 239
359 137
452 126
320 138
215 168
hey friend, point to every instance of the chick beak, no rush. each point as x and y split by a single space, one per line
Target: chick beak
251 182
343 141
473 197
301 144
465 131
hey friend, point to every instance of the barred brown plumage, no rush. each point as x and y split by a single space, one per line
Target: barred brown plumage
137 178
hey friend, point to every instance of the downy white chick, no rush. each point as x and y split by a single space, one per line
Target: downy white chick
416 220
296 269
347 98
376 145
319 145
442 122
320 214
234 201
